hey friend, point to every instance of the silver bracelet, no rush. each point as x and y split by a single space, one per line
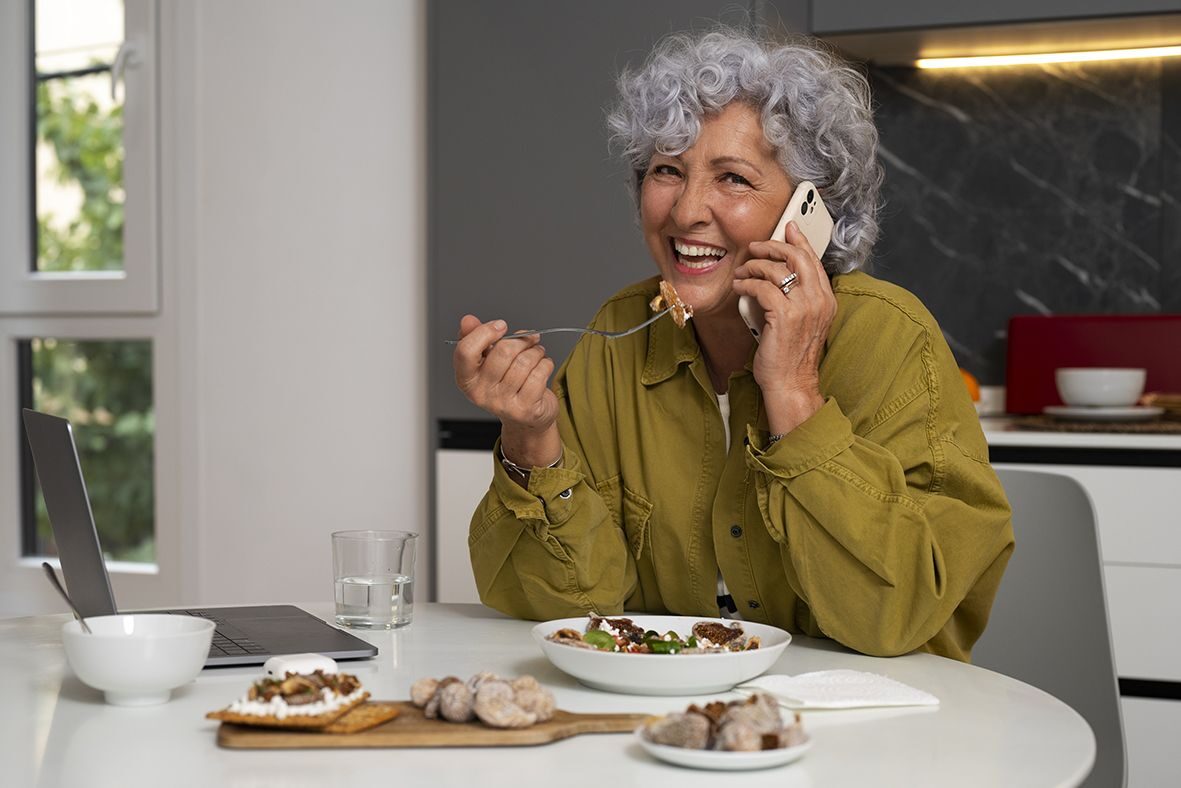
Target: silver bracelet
517 469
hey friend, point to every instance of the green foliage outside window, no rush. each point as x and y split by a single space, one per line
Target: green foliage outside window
87 142
103 386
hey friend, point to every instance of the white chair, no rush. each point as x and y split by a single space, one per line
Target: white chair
1049 624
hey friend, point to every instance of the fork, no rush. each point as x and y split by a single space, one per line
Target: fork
597 332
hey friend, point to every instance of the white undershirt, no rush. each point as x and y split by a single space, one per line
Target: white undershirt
724 407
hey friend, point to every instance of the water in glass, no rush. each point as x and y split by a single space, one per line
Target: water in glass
374 601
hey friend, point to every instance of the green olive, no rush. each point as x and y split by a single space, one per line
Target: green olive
664 646
600 640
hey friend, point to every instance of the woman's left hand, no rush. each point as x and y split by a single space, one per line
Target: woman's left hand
787 362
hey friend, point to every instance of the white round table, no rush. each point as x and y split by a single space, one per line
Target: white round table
989 730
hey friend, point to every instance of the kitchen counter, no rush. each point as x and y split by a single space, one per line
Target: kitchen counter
1000 431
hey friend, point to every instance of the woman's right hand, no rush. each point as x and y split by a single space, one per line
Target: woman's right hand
510 380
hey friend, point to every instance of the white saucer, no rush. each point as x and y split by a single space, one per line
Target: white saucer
723 761
1129 413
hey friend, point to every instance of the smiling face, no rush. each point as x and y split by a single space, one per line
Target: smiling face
700 210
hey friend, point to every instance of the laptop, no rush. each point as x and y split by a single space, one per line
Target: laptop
244 635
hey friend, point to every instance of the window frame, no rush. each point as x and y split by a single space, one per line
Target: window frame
135 289
132 305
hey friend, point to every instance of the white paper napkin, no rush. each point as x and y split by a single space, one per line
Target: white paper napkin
839 689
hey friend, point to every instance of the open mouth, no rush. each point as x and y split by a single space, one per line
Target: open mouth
696 256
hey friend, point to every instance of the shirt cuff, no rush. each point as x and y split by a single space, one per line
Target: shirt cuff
823 436
542 499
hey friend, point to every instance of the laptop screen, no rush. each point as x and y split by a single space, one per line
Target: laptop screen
60 474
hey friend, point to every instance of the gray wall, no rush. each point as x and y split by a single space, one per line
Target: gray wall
1035 190
531 217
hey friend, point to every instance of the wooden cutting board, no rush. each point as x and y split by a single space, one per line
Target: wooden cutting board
412 729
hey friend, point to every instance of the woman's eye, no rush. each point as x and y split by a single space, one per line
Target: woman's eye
733 177
665 169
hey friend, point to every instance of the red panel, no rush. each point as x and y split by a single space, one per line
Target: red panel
1039 345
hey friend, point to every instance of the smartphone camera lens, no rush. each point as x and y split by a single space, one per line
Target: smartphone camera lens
804 209
811 196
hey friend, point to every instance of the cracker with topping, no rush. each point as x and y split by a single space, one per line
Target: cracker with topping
668 299
302 701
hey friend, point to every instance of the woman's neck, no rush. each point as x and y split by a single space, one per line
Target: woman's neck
725 343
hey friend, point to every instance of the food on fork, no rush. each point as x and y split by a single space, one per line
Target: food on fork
668 299
495 701
298 700
624 636
738 726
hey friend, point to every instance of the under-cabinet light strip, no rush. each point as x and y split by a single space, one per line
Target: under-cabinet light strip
1047 57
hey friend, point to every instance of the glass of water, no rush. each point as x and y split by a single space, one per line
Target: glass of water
374 572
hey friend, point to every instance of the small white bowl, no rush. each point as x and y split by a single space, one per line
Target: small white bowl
1100 387
138 659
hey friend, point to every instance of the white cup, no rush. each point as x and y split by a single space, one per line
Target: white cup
1098 387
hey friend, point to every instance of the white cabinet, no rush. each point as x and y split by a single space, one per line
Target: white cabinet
461 477
1150 729
1144 604
1138 511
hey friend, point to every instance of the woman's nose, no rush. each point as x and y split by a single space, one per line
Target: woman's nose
692 206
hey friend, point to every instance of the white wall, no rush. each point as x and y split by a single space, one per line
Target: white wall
289 347
296 186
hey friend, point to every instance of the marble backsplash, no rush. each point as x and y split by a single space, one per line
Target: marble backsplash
1039 190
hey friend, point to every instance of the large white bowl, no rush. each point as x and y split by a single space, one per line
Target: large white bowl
138 659
1100 387
663 674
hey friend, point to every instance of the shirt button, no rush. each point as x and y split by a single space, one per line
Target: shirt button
752 604
566 494
736 531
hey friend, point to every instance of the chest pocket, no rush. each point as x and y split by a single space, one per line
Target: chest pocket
631 512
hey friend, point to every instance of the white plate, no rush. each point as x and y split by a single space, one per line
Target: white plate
663 674
721 760
1129 413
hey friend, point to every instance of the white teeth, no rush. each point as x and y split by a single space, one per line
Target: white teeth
691 250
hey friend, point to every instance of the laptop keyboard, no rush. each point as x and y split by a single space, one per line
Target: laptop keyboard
228 640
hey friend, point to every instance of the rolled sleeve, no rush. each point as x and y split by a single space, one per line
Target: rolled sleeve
543 498
825 435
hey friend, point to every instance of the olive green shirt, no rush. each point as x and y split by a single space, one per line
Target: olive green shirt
878 522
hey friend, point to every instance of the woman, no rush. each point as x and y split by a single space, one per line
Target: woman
831 479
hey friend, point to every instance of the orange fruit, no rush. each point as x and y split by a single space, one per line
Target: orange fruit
972 384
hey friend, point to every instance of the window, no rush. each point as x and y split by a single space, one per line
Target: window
105 389
83 157
80 320
78 148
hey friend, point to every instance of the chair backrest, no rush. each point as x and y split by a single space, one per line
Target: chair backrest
1049 624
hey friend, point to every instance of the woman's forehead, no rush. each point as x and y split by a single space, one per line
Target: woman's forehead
736 132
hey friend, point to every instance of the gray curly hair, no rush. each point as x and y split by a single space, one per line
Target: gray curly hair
815 112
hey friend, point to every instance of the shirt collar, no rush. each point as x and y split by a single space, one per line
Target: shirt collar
669 346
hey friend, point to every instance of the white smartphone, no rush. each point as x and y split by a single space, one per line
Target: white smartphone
807 210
